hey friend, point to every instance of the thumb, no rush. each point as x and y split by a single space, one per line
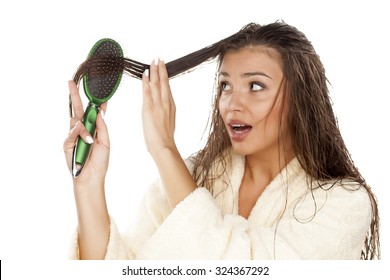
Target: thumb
101 130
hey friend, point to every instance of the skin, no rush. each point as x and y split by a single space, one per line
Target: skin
158 117
251 80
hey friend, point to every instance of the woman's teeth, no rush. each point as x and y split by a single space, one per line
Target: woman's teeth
240 128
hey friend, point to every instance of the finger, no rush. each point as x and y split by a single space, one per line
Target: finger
78 130
102 131
103 107
85 135
166 95
70 141
69 144
73 122
154 82
147 98
77 104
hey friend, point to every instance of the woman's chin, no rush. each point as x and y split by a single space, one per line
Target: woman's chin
242 151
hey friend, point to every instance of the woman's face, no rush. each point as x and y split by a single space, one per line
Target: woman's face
250 81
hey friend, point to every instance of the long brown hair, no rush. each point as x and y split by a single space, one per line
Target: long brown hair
311 122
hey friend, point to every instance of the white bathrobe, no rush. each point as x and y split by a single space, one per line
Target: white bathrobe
288 221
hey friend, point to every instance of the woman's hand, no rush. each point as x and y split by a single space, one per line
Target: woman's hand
158 110
96 166
158 117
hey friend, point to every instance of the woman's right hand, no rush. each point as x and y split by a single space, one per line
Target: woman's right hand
95 168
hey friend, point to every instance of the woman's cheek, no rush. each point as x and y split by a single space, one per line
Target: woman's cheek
222 106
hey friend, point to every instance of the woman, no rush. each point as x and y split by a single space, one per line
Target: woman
274 180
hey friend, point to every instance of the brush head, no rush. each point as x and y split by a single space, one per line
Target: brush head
105 69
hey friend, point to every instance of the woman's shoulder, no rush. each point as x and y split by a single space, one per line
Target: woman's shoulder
346 194
343 188
339 203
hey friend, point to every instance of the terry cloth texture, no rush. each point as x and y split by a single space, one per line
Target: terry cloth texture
288 221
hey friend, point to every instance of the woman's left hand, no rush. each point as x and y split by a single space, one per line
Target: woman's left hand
158 117
158 110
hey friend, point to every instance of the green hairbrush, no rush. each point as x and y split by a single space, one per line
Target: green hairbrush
100 83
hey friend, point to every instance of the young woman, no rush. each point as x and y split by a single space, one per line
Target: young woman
274 180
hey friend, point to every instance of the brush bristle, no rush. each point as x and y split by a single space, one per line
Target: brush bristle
105 71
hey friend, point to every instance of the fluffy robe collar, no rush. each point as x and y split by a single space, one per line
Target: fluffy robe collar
288 185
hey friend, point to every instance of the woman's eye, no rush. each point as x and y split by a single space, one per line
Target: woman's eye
256 87
224 86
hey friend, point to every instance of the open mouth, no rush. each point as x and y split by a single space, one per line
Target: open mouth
240 128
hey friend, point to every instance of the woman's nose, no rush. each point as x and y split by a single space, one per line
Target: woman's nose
236 102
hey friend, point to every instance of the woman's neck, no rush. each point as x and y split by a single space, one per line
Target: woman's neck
261 169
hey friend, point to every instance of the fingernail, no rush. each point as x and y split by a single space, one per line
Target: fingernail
89 139
103 114
146 72
156 61
161 59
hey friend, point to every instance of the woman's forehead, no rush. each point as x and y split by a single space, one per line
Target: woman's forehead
251 59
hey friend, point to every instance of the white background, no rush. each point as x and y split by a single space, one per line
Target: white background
42 43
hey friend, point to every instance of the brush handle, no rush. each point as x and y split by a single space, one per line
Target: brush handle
89 121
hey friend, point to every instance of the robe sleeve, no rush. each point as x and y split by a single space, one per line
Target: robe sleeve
153 209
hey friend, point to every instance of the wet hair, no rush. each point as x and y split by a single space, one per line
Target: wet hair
311 123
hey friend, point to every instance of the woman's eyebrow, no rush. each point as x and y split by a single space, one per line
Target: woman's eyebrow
226 74
248 74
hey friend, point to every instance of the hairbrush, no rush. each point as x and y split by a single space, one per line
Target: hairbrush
101 80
